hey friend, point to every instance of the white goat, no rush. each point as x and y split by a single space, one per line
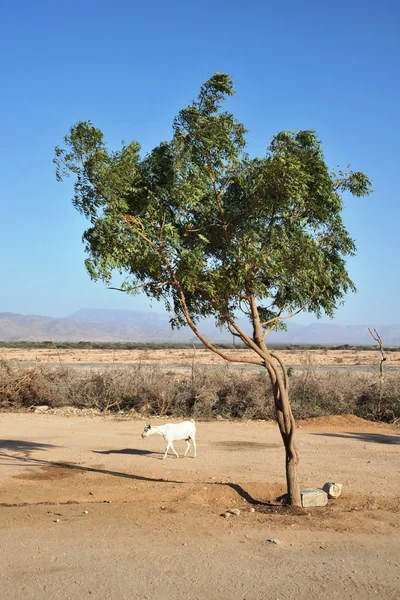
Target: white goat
173 432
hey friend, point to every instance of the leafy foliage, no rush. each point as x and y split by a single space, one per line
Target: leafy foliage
198 222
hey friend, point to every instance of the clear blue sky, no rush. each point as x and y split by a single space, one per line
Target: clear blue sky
129 67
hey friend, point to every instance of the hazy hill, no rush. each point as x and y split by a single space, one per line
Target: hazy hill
102 325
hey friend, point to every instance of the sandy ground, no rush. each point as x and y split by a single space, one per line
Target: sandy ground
89 510
199 356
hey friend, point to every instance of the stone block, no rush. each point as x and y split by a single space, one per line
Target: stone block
313 497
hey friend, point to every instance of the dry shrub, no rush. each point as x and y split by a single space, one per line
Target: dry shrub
223 392
316 394
371 406
204 394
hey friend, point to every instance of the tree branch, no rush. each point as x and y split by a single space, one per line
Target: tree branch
283 367
162 225
182 300
204 340
129 220
137 287
232 331
279 318
217 195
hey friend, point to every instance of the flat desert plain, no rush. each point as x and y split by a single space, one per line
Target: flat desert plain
89 510
187 357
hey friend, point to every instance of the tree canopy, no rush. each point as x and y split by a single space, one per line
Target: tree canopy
197 216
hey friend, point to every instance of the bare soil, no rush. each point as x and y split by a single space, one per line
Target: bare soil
89 510
199 356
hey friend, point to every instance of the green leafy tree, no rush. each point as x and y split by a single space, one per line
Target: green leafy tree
200 225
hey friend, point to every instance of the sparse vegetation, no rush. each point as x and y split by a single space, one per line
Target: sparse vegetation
205 393
179 345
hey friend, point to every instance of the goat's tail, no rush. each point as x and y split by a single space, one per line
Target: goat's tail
192 420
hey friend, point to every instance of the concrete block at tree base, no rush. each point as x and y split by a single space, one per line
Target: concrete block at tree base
313 497
333 489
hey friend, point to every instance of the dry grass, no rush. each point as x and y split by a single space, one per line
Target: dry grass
204 393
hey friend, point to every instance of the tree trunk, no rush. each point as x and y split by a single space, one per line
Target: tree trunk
292 479
284 415
286 425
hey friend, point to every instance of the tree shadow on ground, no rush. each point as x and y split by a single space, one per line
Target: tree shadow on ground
23 446
242 493
378 438
132 451
36 462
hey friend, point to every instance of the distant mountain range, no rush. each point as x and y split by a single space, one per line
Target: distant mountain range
104 325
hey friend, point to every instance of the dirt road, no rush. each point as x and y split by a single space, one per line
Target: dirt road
89 510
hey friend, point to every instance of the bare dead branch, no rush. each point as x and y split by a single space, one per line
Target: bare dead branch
378 339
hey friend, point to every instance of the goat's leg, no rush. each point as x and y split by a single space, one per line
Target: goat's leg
169 444
194 447
173 450
187 446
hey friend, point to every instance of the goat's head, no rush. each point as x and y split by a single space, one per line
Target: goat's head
146 431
